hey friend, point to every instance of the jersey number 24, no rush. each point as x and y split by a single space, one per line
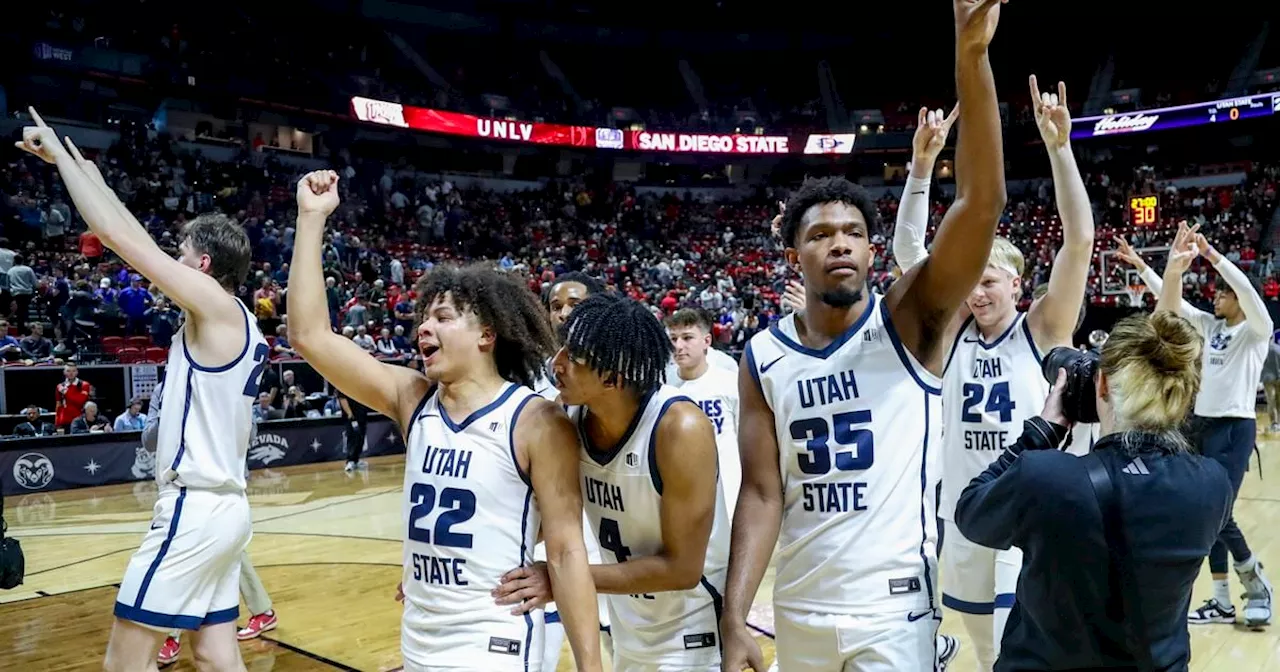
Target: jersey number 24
998 401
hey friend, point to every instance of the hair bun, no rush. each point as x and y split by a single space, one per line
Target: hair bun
1175 344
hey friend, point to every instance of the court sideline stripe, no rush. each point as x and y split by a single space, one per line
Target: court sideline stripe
313 656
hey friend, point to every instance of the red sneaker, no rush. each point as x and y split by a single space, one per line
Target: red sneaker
169 652
257 625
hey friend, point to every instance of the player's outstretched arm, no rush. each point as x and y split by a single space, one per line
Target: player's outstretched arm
1255 310
928 296
1053 318
1181 254
393 391
548 438
912 224
686 479
197 293
756 519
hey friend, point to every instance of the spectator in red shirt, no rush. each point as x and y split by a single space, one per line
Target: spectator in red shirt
91 247
72 395
669 303
1271 289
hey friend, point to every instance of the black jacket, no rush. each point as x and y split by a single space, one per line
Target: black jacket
1065 617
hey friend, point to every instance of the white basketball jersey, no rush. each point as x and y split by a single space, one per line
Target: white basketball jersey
544 386
716 391
205 430
855 423
471 517
622 495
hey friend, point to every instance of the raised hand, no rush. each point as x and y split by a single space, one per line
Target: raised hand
932 129
793 296
976 22
1183 251
1204 248
40 140
1126 253
1052 116
776 225
318 193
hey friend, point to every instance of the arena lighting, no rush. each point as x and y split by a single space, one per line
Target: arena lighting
1218 111
466 125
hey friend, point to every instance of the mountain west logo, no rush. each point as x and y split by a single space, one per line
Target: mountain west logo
1219 342
144 463
33 471
268 448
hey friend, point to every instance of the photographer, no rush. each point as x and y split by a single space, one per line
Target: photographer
1112 541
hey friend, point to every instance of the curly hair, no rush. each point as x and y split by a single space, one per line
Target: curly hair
816 191
618 337
502 303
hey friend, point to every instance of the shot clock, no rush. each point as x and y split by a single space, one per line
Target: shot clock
1144 210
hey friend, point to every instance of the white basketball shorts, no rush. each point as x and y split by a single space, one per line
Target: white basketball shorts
887 642
976 579
186 574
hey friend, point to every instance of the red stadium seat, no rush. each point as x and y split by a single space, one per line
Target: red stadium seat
112 344
129 355
140 342
156 355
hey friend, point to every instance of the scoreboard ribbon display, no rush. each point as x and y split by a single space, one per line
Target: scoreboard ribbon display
1216 112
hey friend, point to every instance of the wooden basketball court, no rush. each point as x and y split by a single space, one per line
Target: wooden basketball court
327 545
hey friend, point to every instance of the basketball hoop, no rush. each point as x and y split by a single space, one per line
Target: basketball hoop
1135 294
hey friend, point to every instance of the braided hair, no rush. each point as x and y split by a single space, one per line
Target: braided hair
502 303
619 337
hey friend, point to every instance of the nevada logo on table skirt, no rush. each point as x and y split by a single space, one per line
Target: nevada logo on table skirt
268 448
33 471
830 143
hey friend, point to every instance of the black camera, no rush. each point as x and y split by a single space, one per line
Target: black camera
1079 402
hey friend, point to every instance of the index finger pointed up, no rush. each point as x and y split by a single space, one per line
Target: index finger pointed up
1035 93
35 116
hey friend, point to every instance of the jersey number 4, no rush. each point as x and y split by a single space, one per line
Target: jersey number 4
844 431
458 507
998 401
611 540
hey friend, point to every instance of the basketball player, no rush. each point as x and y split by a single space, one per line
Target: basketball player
185 574
564 294
854 525
480 446
714 389
262 617
993 381
1236 336
649 481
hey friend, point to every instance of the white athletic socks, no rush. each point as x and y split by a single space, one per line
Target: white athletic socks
1222 592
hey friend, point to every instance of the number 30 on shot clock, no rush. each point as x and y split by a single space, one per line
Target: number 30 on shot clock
1144 210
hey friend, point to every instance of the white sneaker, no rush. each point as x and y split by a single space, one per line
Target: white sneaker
351 466
1257 596
947 647
1212 611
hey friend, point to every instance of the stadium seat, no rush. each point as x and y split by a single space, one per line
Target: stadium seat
129 355
112 344
156 355
139 342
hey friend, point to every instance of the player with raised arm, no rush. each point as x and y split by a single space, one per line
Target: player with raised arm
186 573
855 526
1236 336
480 446
649 480
992 381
